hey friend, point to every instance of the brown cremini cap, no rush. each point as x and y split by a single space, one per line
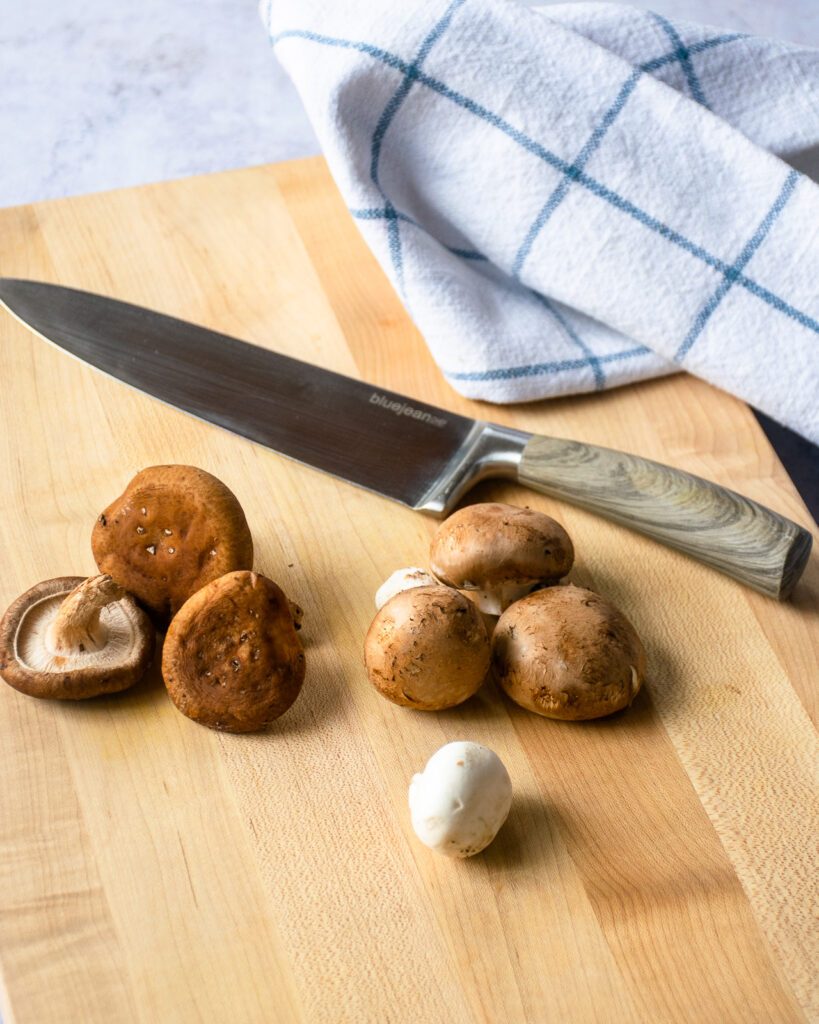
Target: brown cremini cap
427 648
565 652
491 545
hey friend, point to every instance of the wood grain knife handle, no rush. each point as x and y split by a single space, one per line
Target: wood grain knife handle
745 540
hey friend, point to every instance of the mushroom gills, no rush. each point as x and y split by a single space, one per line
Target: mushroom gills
38 646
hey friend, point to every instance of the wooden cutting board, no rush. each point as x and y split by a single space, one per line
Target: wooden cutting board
659 866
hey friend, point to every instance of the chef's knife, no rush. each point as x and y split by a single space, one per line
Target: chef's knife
403 449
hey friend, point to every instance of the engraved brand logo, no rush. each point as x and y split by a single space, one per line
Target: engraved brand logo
402 409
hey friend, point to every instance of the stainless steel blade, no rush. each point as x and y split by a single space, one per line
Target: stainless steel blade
406 450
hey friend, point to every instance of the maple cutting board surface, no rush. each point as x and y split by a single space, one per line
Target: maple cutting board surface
656 867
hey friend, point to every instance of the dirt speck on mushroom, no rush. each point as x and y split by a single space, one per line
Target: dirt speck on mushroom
232 659
173 529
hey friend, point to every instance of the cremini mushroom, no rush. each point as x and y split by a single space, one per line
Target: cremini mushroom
565 652
71 638
427 648
500 551
402 579
232 660
173 529
461 799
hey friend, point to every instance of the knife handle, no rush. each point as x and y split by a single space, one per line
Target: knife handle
744 540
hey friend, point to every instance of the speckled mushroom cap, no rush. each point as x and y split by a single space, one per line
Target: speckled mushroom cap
565 652
173 529
232 659
489 545
71 638
427 648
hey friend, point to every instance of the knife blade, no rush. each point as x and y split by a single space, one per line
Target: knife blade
399 447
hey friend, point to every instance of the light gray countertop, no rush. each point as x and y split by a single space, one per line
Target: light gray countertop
98 94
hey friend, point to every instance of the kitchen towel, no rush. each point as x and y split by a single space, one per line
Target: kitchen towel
579 196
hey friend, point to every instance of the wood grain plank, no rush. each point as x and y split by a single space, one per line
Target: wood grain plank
620 424
56 921
655 866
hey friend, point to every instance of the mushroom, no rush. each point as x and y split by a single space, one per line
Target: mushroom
232 660
427 648
173 529
71 638
500 551
461 799
402 579
567 653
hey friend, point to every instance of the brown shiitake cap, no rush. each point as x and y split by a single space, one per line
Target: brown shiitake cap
173 529
427 648
565 652
492 545
71 638
232 660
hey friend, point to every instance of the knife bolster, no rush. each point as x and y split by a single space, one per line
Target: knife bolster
489 450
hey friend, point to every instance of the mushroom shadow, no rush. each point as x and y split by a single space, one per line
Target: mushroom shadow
145 693
317 704
524 841
663 671
805 595
483 708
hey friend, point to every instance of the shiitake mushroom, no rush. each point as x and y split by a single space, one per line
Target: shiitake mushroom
171 531
70 638
232 659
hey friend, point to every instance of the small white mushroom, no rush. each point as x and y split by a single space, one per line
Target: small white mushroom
402 579
461 799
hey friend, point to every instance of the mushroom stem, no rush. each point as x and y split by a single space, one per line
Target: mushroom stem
498 599
77 625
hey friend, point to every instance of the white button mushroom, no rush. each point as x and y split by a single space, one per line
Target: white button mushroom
402 579
461 799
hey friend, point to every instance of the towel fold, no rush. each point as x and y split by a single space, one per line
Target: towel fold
580 196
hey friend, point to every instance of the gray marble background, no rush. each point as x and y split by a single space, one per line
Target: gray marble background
97 94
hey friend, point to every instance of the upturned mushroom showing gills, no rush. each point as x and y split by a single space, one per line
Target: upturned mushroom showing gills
565 652
500 551
232 659
173 529
427 648
70 638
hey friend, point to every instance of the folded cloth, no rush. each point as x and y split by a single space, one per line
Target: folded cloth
576 197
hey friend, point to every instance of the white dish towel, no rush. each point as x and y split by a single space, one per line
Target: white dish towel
572 198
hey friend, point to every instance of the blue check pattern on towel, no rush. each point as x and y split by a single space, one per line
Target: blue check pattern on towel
572 198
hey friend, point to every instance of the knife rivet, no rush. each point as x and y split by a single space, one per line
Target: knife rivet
151 549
